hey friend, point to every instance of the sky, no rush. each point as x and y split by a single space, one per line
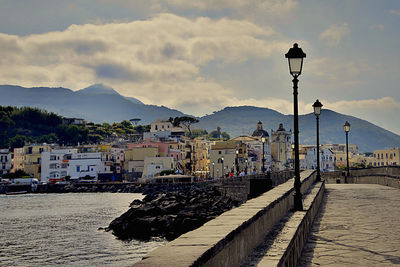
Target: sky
201 56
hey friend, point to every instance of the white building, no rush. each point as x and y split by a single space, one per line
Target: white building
54 163
5 161
155 165
87 166
59 163
326 160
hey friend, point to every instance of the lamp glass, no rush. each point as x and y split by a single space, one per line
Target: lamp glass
263 139
295 65
346 127
317 111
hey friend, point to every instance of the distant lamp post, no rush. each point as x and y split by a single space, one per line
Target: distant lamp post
222 167
237 162
213 169
317 111
263 155
295 56
247 161
346 127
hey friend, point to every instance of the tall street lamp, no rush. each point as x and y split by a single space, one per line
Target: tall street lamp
295 56
237 162
213 169
346 127
317 111
263 155
222 167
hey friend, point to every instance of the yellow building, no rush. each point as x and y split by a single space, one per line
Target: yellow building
28 158
134 160
200 156
385 157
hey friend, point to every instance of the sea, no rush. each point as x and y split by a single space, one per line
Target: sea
63 230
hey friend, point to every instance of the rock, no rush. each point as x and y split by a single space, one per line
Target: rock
170 213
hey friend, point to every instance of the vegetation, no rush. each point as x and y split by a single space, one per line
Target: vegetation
19 126
17 174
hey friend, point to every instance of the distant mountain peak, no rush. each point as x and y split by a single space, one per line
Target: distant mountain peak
98 89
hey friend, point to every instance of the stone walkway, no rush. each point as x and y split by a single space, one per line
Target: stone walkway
358 225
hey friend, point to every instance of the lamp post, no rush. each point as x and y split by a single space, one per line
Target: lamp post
222 167
213 169
317 111
263 155
237 162
295 56
346 127
246 166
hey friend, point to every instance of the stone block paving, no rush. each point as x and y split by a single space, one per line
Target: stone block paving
358 225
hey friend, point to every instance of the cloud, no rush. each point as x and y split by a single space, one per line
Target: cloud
334 34
158 60
394 12
377 27
267 7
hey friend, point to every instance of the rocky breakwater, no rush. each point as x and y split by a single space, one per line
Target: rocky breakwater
170 214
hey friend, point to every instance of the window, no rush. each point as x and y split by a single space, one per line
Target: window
386 155
219 152
53 166
64 165
53 157
374 163
78 168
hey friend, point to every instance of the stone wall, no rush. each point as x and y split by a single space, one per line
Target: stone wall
387 176
228 239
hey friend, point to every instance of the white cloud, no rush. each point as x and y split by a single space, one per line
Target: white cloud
334 34
394 12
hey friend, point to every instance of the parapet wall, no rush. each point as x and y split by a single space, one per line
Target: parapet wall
228 239
386 176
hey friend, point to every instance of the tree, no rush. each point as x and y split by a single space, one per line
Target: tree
184 121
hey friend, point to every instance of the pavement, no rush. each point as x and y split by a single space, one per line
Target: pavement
357 225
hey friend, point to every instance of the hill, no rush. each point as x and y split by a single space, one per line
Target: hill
99 103
95 103
242 120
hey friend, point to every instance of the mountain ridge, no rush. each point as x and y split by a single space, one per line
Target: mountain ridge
112 107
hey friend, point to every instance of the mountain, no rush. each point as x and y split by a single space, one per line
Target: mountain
96 103
98 89
242 120
99 103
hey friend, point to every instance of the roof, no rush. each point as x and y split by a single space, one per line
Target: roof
244 138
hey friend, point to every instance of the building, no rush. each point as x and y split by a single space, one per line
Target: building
5 161
155 165
54 163
281 143
385 157
87 166
134 160
326 160
28 159
228 156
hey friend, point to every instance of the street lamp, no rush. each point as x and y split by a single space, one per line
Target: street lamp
346 127
246 166
317 111
213 169
237 163
222 167
263 155
295 56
